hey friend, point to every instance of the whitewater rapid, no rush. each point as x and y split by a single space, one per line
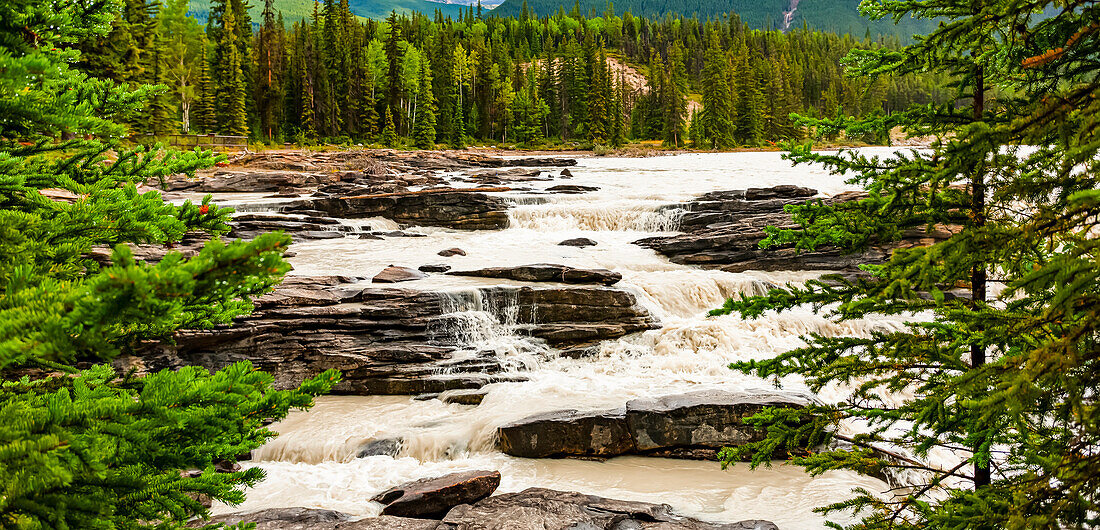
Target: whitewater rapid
314 462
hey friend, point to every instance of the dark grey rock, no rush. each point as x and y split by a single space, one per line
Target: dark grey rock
543 509
722 230
282 519
571 188
453 208
384 446
439 267
464 397
432 498
578 242
693 425
395 274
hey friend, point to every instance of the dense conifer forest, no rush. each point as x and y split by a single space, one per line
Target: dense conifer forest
426 80
834 16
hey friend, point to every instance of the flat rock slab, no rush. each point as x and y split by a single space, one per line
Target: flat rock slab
432 498
389 522
394 274
296 518
693 425
543 509
545 272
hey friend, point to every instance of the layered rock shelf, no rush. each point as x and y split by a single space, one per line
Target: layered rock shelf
390 340
544 272
723 230
694 425
452 208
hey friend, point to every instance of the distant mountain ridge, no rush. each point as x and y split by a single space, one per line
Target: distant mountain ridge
300 9
837 16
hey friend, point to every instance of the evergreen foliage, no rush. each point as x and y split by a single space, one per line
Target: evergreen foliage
989 394
331 76
84 446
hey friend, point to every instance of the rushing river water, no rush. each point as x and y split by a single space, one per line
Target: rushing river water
313 463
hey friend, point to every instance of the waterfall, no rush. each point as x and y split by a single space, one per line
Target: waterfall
788 14
561 217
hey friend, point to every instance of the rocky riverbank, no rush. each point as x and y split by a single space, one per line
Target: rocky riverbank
395 341
723 230
462 501
463 280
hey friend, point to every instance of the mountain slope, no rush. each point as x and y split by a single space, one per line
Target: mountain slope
299 9
839 16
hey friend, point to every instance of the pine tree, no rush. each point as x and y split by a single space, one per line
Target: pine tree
229 29
389 132
269 56
599 104
749 128
618 122
206 117
158 111
393 57
716 123
424 128
230 89
92 448
1003 380
674 98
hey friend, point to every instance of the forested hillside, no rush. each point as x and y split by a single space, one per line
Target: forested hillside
437 80
837 16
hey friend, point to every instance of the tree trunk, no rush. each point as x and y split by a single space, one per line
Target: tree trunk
978 271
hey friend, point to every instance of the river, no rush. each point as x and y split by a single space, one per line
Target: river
313 463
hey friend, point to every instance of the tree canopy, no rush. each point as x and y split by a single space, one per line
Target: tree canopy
989 393
85 445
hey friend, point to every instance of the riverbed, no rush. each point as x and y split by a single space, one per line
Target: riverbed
314 462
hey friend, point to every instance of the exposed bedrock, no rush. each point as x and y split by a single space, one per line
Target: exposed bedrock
722 230
545 272
693 425
452 208
395 341
531 509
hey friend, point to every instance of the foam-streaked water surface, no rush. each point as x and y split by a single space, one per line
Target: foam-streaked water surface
314 462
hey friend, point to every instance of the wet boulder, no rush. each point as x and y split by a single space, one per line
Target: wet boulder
578 242
436 267
432 498
452 252
382 446
695 425
472 396
545 272
568 433
395 274
571 188
684 424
